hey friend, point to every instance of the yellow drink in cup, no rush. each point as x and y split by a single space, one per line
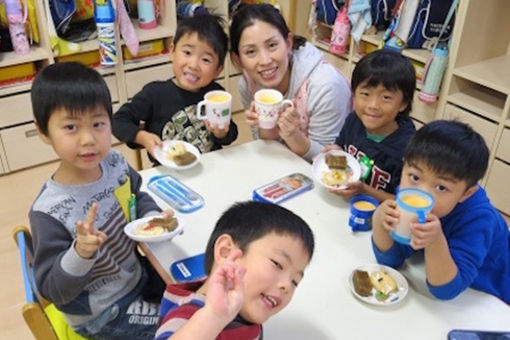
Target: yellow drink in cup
218 98
414 205
217 105
267 99
364 205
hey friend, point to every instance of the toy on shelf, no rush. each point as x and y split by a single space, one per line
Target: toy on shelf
16 19
104 16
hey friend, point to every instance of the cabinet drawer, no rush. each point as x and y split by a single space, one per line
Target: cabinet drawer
237 103
16 109
504 146
498 186
111 82
24 148
421 111
136 80
484 127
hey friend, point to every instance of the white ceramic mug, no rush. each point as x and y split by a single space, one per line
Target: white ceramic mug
268 104
414 205
218 108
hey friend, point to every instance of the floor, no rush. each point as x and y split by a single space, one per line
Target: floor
18 191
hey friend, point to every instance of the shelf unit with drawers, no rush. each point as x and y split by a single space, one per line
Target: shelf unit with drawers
477 86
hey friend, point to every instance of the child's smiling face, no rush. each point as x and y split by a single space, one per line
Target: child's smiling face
195 63
274 265
377 108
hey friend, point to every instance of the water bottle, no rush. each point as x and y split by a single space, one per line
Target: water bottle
146 14
433 75
340 33
16 21
104 16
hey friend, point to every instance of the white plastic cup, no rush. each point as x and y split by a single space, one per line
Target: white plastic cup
414 205
218 108
268 105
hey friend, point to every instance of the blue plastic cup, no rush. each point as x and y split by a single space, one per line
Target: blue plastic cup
362 209
414 205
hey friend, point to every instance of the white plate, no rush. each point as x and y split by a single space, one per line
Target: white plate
319 167
395 297
161 154
130 228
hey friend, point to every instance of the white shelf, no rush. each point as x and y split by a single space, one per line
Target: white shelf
478 101
493 73
10 58
16 88
419 54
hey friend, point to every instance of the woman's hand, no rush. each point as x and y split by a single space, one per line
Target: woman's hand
252 117
288 122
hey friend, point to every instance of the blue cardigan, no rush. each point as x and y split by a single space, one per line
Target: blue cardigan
479 243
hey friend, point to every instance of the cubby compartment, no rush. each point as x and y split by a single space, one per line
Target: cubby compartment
498 186
503 151
483 126
422 111
15 109
476 97
135 80
24 148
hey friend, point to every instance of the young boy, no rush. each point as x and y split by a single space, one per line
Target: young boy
83 261
383 84
465 239
256 257
168 108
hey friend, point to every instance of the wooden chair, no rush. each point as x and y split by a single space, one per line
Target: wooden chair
41 316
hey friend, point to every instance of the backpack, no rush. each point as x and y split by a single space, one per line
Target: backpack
430 18
327 9
382 13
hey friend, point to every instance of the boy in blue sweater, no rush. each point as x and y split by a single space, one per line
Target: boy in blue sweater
466 241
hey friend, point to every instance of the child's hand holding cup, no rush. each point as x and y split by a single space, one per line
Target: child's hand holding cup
414 205
268 105
218 108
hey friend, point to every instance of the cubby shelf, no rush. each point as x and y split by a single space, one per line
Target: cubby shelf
36 53
493 73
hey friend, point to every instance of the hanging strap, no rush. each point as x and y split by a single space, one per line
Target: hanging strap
453 7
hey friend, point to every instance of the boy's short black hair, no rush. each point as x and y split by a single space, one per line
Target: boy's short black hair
248 221
389 68
71 86
209 28
449 147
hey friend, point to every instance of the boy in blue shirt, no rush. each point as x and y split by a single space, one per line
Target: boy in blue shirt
168 108
466 241
383 84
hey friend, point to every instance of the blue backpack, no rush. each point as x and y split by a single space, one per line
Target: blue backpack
382 13
327 10
430 18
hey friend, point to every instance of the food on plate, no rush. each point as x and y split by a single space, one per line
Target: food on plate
180 155
336 161
383 283
336 178
157 226
362 283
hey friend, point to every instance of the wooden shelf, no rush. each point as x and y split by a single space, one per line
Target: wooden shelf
144 62
493 73
481 102
158 32
419 54
15 88
10 58
374 39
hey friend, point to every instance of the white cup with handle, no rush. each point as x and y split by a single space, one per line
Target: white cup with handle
268 105
218 108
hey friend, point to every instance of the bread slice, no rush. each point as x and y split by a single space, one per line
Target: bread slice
184 158
169 223
361 282
336 162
